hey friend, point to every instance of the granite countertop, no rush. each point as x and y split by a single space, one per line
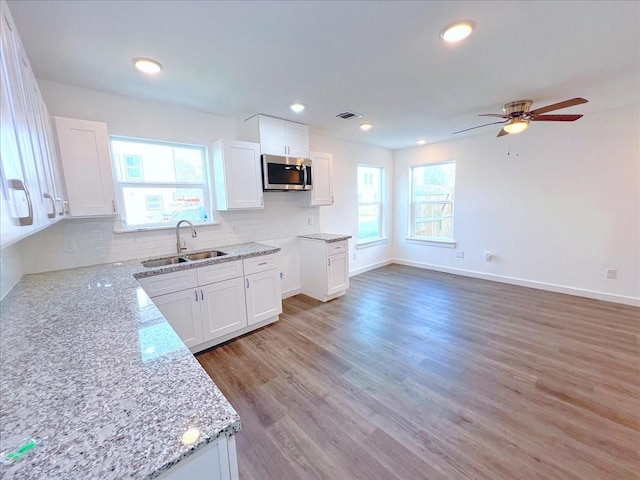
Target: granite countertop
326 237
91 370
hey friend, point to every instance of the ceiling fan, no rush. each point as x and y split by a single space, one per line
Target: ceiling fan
517 115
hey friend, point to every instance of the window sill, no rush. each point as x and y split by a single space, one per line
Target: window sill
371 243
159 227
432 242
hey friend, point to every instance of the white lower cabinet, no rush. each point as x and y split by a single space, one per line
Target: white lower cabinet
263 296
223 309
215 303
325 268
216 461
337 273
182 311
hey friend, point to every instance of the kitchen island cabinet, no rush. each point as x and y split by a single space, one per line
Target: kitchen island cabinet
325 265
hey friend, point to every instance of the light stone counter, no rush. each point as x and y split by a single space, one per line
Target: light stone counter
90 369
326 237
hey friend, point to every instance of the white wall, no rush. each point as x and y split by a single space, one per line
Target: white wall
343 216
285 215
555 206
10 269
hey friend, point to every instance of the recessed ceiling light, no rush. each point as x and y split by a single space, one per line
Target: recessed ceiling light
366 126
147 65
297 107
421 142
458 31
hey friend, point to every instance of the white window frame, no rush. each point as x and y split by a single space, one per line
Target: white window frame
435 241
381 223
121 185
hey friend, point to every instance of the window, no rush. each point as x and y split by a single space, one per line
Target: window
154 202
133 167
370 227
432 197
160 183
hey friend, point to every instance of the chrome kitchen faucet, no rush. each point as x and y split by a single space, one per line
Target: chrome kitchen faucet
194 234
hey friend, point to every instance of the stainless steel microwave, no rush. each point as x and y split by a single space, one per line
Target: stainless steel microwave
283 174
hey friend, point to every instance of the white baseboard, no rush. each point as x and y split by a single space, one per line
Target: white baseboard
291 292
607 297
373 266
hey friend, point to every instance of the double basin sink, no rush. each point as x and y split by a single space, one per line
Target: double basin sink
190 257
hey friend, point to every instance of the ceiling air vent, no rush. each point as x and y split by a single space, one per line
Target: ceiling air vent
347 115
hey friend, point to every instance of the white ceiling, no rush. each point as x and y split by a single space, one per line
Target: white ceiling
382 59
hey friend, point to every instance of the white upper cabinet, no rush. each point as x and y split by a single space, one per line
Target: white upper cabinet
237 175
85 157
321 168
29 180
277 136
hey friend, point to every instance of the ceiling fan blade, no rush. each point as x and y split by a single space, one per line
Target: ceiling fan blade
558 106
502 133
556 118
479 126
501 115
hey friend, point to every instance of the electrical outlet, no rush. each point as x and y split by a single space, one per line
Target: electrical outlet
459 254
69 245
309 221
611 273
354 255
281 275
488 257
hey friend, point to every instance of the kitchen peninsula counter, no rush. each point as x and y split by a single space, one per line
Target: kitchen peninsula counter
91 370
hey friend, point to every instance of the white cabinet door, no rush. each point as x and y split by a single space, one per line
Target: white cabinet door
296 139
272 135
337 273
264 295
86 165
216 461
237 175
321 168
182 311
223 308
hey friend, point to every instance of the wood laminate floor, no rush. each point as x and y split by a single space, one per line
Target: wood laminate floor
416 374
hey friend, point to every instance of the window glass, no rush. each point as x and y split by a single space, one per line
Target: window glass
432 200
160 183
370 193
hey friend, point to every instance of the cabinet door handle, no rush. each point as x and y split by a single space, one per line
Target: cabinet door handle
262 263
196 295
329 261
262 201
247 283
19 185
201 295
53 206
331 199
61 211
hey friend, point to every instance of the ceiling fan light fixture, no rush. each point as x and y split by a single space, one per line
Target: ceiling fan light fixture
516 125
458 31
147 65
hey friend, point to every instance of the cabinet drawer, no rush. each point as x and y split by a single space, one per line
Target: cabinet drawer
219 272
259 264
337 247
164 283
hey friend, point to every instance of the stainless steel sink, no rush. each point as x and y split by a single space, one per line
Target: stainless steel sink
204 255
161 262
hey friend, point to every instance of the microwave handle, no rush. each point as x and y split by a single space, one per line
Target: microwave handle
304 177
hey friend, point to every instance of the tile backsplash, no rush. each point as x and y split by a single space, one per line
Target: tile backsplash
285 214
